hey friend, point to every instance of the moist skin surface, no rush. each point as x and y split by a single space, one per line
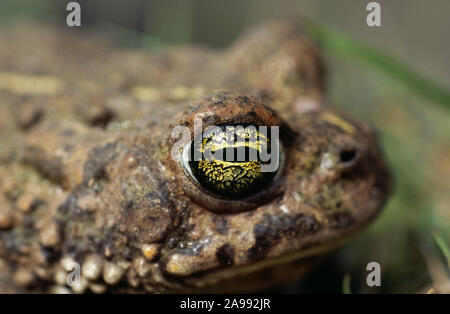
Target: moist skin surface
87 176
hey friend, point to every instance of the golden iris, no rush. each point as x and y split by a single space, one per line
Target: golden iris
230 163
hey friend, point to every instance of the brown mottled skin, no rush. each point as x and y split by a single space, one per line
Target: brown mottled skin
86 173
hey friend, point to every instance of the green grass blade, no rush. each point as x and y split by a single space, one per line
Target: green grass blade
339 43
346 284
442 245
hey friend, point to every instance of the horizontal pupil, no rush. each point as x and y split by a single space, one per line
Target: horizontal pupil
235 154
243 154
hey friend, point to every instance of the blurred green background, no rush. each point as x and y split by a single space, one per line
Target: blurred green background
396 76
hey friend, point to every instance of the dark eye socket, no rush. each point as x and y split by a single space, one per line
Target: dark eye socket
348 155
235 169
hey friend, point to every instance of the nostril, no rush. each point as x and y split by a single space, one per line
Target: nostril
347 155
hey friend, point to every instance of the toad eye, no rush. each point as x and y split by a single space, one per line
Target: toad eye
234 161
232 153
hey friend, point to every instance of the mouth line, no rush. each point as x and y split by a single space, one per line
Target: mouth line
215 276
